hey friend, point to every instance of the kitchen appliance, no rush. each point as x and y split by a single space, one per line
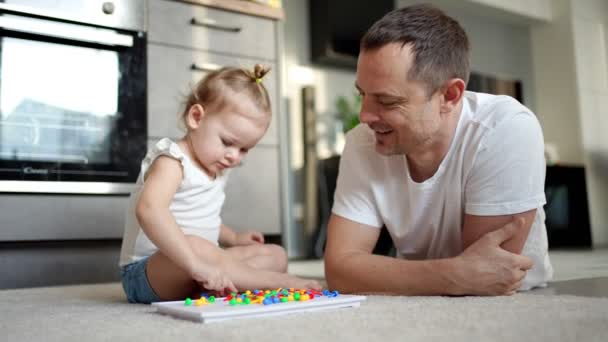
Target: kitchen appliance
567 209
72 95
334 41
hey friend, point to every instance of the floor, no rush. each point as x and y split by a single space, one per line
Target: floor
577 272
581 273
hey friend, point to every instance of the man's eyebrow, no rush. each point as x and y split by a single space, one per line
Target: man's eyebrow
381 94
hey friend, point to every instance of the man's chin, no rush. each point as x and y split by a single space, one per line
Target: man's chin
386 150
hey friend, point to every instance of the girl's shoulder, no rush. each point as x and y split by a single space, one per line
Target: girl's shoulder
164 147
168 148
191 173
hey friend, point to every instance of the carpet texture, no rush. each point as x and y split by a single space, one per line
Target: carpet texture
100 313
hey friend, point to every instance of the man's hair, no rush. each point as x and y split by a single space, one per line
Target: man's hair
439 44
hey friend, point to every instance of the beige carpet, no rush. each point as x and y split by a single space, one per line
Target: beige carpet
100 313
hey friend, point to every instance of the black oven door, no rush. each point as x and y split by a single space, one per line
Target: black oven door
72 106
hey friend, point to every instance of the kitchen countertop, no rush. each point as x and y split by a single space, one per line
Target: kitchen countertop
242 6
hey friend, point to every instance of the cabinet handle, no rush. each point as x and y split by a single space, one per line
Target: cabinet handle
206 67
212 24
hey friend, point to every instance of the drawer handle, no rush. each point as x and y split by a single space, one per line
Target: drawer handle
206 67
212 24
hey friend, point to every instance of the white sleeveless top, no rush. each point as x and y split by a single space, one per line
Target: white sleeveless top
196 205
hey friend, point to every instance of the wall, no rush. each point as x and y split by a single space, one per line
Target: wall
498 47
590 32
571 70
557 105
532 9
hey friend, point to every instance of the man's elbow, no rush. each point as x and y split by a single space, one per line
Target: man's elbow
336 274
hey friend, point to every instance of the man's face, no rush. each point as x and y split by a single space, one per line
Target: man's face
400 112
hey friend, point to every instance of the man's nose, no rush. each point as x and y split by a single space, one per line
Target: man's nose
367 115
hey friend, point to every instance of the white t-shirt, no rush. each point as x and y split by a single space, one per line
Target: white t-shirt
495 166
196 205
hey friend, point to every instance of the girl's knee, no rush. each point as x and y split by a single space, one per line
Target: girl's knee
279 255
205 249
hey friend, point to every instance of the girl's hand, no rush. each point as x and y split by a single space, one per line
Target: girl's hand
248 238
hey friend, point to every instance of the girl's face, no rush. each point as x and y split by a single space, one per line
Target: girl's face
219 136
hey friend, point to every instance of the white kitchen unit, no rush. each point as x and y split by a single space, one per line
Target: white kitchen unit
186 40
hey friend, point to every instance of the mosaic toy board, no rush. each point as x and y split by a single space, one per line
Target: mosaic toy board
221 310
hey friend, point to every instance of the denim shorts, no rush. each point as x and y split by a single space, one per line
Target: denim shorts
136 285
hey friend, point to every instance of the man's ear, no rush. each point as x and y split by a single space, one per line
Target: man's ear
452 94
195 116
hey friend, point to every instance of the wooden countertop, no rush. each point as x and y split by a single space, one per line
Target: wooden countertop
241 6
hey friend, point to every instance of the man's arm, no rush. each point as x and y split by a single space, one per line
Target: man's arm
474 227
483 269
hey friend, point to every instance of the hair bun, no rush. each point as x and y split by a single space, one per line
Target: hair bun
259 71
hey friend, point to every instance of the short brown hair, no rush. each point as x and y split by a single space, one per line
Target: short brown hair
212 88
439 44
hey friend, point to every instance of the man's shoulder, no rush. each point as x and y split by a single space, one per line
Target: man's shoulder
490 111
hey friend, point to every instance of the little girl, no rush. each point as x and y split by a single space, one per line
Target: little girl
173 230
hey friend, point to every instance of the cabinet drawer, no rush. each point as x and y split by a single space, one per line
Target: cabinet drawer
170 79
253 194
200 27
61 217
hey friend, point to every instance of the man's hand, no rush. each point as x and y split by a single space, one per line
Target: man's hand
485 268
248 238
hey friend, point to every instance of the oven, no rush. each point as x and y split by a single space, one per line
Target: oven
72 95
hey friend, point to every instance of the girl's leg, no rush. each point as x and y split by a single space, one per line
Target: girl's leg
170 282
242 274
167 280
261 256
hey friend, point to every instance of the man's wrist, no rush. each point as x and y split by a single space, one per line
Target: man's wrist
450 271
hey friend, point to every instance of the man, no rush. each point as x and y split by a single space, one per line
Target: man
456 177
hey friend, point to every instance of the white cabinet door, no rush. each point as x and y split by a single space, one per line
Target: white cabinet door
253 194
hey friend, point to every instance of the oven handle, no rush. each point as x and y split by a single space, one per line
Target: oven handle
41 14
61 30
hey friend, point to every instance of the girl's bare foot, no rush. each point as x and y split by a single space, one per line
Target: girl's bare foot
301 283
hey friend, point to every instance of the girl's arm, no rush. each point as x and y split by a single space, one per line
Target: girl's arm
155 218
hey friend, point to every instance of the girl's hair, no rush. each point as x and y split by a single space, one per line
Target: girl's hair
218 86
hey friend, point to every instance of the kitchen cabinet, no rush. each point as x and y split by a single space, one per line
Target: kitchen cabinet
186 41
